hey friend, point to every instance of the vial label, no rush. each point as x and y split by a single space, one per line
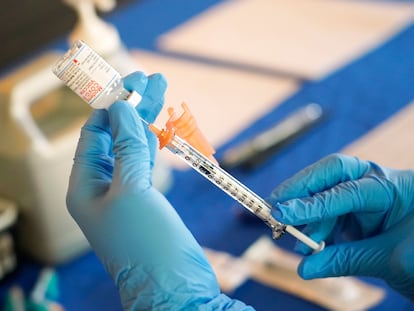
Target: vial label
77 67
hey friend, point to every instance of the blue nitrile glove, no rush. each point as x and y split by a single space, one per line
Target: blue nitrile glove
153 258
373 208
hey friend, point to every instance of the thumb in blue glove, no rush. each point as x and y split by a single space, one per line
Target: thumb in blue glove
365 214
152 257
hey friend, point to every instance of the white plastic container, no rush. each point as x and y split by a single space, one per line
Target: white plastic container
39 130
40 121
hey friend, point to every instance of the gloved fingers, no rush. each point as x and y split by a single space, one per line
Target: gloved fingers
130 145
321 231
153 97
94 135
363 258
152 89
151 103
364 195
93 163
136 81
322 175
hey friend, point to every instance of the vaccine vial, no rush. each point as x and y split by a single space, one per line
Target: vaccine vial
100 85
92 78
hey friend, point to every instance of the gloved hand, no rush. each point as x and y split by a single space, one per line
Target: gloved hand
153 258
371 207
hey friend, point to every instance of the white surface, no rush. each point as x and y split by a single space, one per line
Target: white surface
390 144
305 37
35 175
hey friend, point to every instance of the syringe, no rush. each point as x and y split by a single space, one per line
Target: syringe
96 82
226 182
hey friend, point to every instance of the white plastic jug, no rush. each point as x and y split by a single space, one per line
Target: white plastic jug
40 121
39 129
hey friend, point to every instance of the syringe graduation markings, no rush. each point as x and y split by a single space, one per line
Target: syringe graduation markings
226 182
205 165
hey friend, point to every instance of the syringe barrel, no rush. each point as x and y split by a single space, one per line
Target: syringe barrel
227 183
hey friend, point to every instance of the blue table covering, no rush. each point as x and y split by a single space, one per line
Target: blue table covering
356 98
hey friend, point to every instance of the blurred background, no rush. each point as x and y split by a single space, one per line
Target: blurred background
244 67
